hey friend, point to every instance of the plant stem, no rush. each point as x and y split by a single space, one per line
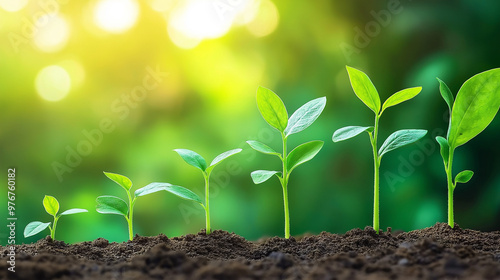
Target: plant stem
451 188
284 185
376 167
130 218
53 229
207 203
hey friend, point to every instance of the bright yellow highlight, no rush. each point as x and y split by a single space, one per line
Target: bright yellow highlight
116 16
13 5
266 20
53 35
53 83
192 21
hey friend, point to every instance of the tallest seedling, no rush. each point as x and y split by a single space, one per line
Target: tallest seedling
476 105
366 91
274 112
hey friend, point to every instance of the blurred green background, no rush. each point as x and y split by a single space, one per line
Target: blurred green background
116 85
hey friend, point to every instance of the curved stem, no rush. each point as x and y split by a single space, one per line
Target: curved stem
451 188
284 185
207 203
376 167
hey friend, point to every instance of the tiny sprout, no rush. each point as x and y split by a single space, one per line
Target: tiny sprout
108 204
367 93
51 205
274 113
199 162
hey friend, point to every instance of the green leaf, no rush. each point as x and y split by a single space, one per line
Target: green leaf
108 204
261 147
305 116
347 132
34 228
401 138
445 148
272 108
446 93
223 156
303 153
364 89
464 176
74 211
192 158
401 96
260 176
121 180
181 192
51 205
476 105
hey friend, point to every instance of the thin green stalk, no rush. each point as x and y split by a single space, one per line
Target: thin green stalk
451 188
53 229
284 184
130 218
207 203
376 167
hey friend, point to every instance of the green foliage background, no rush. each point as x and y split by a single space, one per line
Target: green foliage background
207 104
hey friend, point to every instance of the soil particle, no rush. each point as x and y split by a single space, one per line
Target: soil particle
438 252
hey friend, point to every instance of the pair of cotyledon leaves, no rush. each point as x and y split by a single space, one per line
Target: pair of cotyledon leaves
274 112
51 205
114 205
474 108
367 93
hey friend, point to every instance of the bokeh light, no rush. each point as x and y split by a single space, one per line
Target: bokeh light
13 5
116 16
266 20
53 83
53 34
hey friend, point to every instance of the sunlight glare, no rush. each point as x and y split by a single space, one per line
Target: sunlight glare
13 5
53 35
266 20
53 83
116 16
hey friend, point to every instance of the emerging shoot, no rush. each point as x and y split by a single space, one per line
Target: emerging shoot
51 205
367 93
199 162
476 105
274 113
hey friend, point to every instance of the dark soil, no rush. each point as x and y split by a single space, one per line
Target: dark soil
438 252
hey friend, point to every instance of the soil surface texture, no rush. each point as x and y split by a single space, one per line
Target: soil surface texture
438 252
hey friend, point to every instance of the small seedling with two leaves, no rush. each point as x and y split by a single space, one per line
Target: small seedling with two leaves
476 105
366 92
274 113
51 205
194 159
108 204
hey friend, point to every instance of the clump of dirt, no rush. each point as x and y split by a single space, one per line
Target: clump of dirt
438 252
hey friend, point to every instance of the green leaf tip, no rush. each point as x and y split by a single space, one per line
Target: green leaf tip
272 108
364 89
51 205
305 116
260 176
348 132
192 158
464 176
401 138
121 180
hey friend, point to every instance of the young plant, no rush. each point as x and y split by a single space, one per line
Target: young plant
476 105
51 205
366 92
108 204
274 113
199 162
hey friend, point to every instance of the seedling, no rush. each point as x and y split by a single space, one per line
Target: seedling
199 162
366 92
274 112
476 105
51 205
108 204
